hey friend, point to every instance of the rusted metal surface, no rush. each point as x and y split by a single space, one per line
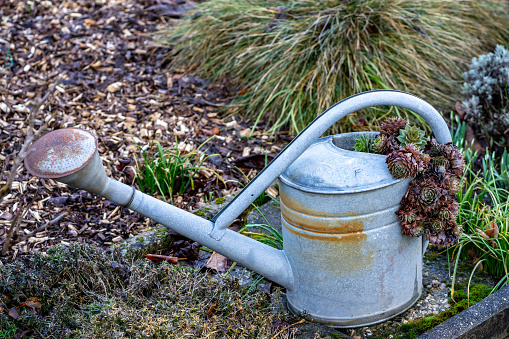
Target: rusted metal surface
60 153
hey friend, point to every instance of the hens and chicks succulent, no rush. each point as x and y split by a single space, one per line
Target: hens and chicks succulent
430 204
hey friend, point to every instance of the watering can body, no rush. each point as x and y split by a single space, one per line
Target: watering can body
342 237
344 260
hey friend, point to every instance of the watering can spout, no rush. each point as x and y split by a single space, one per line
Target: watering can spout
70 156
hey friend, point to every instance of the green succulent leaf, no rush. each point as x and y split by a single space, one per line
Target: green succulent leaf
364 144
412 135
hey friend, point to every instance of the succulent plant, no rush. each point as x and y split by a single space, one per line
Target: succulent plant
378 144
412 135
486 87
401 164
454 157
430 205
429 193
363 143
453 184
417 231
440 161
436 226
406 162
392 126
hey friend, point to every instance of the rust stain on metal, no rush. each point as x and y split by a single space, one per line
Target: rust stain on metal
355 236
323 224
342 254
307 210
60 153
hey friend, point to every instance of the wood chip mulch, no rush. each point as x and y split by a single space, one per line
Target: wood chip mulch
115 83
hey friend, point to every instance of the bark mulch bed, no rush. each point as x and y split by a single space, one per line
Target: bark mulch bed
115 85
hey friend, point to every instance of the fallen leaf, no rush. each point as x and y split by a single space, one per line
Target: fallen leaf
211 310
217 262
58 201
492 233
32 303
256 161
14 313
158 257
470 139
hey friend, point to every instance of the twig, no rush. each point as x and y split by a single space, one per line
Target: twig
14 225
31 135
287 327
40 229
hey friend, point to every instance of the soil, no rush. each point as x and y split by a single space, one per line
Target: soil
115 84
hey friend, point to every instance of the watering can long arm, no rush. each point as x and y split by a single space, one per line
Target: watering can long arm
266 260
313 131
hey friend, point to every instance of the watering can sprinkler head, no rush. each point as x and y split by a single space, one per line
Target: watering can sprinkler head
70 156
328 262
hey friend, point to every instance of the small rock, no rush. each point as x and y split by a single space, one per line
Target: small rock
114 87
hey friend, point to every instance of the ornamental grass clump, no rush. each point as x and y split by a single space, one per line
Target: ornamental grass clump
291 59
429 206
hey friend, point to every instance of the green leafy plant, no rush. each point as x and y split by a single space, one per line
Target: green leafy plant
168 171
271 237
483 207
363 144
293 59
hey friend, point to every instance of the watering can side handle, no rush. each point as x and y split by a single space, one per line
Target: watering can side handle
312 132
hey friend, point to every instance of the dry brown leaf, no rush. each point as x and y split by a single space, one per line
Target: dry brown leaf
158 257
492 233
211 310
481 233
217 262
32 303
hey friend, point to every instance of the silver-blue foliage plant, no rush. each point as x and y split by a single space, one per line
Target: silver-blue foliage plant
487 88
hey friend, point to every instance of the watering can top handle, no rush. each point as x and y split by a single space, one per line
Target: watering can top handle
313 131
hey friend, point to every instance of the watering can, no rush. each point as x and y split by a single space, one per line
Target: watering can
344 260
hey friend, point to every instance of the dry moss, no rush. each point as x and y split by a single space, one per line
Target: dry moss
88 293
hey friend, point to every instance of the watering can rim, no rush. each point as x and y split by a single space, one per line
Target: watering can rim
329 140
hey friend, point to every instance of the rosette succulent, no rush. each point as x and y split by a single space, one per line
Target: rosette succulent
430 205
412 135
392 126
378 145
401 164
406 162
429 194
436 226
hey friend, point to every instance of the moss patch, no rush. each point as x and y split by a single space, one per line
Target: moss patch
88 293
220 200
460 302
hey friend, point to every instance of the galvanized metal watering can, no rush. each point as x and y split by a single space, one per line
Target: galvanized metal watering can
344 260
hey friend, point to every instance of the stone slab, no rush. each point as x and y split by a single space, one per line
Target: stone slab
487 319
